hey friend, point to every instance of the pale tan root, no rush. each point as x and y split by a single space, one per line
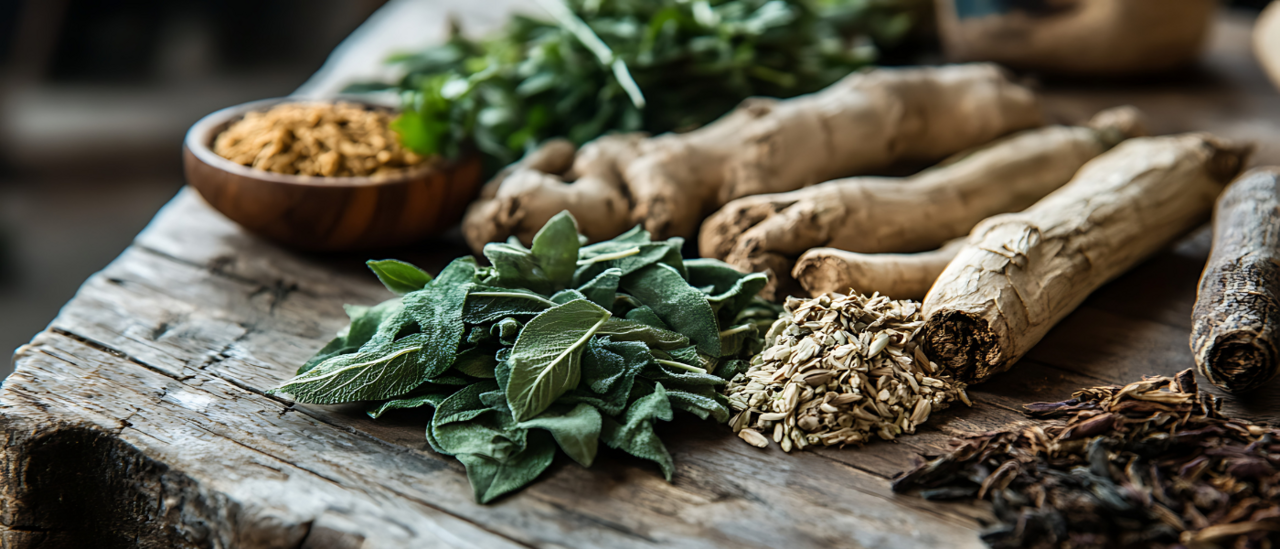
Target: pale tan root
1020 273
865 122
899 276
921 212
520 202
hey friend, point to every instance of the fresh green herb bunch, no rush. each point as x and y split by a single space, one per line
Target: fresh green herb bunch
622 65
559 344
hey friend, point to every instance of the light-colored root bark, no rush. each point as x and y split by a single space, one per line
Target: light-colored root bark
863 123
899 215
899 276
1020 273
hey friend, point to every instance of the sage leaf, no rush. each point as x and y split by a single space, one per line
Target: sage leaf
704 402
485 304
398 276
545 359
555 248
506 330
644 315
628 330
713 273
364 324
491 478
602 289
653 253
609 369
476 362
438 311
459 271
431 400
576 430
729 305
680 378
736 338
462 406
376 375
564 296
635 435
680 306
516 268
731 368
479 334
491 433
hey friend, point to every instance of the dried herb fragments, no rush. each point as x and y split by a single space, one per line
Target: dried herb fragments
1151 464
559 345
322 139
839 370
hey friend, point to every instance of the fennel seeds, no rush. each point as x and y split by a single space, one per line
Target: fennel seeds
839 369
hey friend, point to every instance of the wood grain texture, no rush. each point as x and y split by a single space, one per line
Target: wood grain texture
1235 332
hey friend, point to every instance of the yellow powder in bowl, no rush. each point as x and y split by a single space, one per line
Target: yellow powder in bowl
325 139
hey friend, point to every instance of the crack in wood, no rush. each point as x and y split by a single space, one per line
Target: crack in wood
114 352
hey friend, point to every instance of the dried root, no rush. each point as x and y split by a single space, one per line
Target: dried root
1020 273
899 276
1237 317
922 212
865 122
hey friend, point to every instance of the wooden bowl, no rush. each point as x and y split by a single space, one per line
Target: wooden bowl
327 213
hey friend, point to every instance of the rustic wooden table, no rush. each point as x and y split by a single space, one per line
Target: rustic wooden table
138 418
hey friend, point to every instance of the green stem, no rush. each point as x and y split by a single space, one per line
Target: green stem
516 294
610 257
737 329
680 365
584 34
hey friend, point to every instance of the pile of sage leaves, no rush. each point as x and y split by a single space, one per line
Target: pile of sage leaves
557 345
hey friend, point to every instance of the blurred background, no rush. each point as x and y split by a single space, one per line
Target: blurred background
95 96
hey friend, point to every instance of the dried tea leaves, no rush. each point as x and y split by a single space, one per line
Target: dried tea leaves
840 369
1150 464
332 140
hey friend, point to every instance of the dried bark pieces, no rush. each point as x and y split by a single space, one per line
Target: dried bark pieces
1153 464
1234 336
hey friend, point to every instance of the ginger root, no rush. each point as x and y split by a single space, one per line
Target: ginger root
863 123
1235 334
917 213
1020 273
899 276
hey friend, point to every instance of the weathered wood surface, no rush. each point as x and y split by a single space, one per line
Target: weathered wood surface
138 418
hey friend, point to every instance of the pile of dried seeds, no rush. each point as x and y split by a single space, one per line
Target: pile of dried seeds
840 368
1153 464
332 140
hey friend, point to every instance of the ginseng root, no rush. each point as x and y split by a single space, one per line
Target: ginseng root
765 233
899 276
863 123
1018 274
1237 318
